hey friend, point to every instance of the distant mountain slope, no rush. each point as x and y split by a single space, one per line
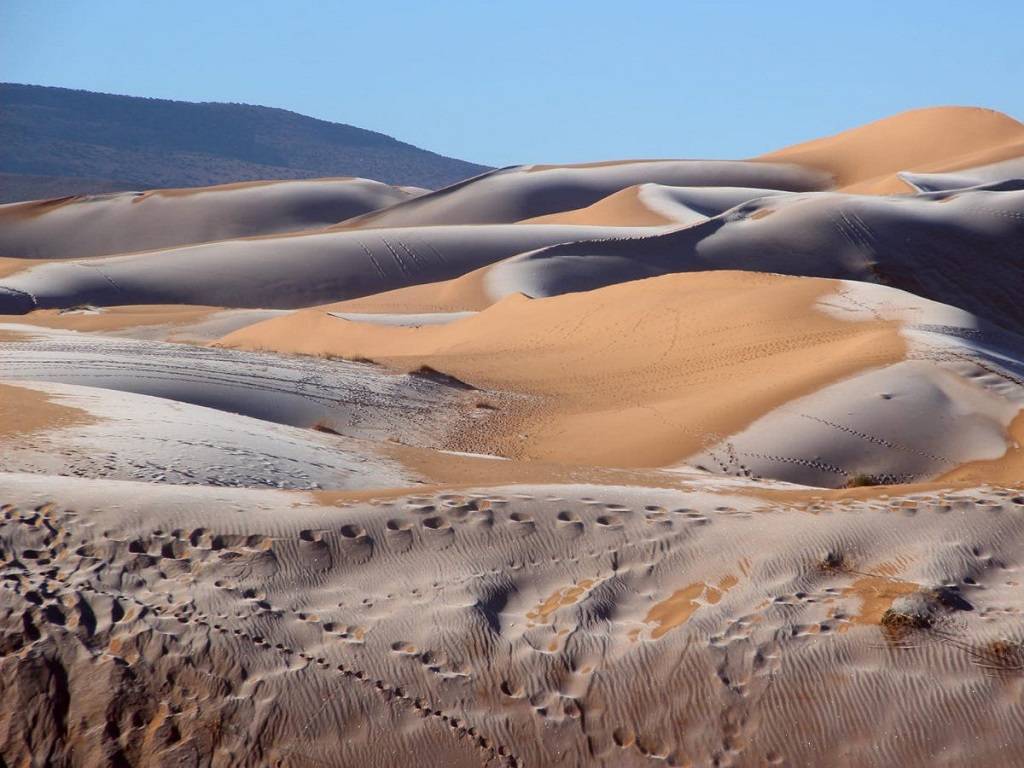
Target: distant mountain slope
70 142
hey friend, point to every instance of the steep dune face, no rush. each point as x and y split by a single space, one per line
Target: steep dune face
866 159
140 221
524 192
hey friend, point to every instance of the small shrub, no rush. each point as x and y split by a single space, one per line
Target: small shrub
833 561
898 622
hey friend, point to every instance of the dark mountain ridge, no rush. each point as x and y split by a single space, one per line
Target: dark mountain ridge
70 142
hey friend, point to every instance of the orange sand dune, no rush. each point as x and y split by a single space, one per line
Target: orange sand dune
652 205
866 159
621 209
637 374
465 293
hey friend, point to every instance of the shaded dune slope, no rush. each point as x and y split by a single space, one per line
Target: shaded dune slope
99 225
522 192
957 246
962 248
279 272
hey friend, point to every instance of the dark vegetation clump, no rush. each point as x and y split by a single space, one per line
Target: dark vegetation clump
833 561
900 622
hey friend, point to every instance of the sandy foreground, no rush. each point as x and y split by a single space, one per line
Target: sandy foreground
630 463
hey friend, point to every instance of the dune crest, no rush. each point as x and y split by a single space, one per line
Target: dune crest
867 159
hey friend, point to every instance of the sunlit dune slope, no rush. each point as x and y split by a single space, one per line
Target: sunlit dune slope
866 159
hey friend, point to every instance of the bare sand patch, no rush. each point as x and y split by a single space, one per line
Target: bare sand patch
24 411
10 266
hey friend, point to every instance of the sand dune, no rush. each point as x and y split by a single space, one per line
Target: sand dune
952 402
524 192
124 436
961 248
684 463
657 205
658 371
1008 172
353 399
123 222
280 272
462 626
867 159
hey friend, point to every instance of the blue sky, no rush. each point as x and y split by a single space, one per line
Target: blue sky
552 81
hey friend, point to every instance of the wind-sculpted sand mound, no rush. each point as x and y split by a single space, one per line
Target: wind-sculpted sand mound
508 626
962 248
657 205
281 272
98 225
1006 174
524 192
868 158
655 372
354 399
125 436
